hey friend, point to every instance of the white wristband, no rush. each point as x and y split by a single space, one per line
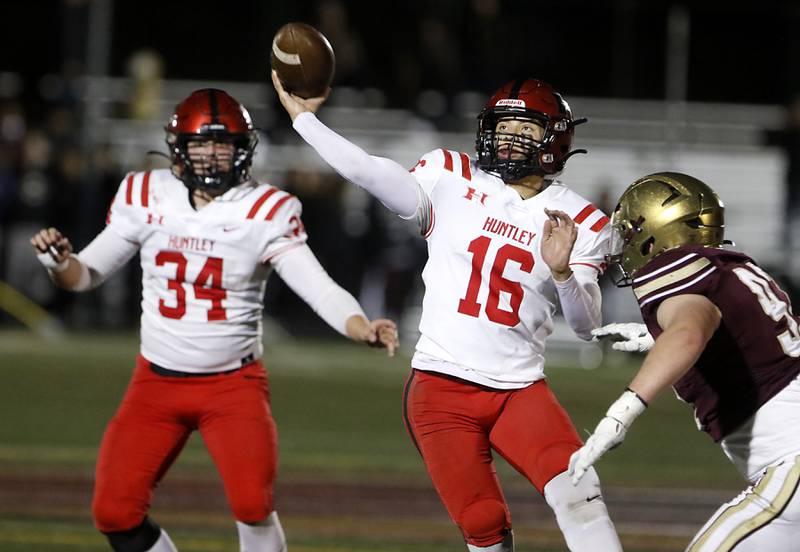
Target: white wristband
51 264
627 408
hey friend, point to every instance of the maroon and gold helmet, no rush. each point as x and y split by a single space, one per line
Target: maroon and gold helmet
211 114
529 99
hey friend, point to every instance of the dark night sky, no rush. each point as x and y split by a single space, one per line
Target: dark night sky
741 51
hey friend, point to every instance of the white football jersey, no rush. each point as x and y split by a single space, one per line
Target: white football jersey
203 272
489 298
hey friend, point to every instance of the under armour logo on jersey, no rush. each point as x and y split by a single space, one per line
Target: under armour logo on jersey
420 163
155 219
473 194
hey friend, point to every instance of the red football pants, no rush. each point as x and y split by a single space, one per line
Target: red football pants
151 426
455 425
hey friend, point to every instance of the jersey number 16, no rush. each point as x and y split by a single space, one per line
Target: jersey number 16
469 304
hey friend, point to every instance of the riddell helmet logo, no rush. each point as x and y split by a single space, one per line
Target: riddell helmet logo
510 103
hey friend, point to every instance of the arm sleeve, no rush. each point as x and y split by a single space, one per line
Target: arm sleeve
581 301
579 295
104 256
301 271
385 179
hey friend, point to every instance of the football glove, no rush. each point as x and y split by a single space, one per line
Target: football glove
631 337
608 434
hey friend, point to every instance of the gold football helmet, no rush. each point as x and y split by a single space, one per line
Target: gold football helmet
659 212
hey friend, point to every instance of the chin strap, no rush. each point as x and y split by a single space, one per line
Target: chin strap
160 154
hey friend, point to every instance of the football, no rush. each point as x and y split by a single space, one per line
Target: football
303 59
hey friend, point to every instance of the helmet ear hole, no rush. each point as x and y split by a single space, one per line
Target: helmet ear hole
647 246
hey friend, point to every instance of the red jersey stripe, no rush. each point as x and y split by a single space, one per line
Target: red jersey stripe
465 171
146 189
278 205
108 214
448 160
588 210
260 201
129 190
601 222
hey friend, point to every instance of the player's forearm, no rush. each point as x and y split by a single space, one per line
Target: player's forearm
674 353
388 181
581 303
73 277
301 271
356 327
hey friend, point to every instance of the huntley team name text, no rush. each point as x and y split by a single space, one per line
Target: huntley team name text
190 244
496 226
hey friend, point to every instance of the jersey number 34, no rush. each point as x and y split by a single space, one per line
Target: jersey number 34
208 286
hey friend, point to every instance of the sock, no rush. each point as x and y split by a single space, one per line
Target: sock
163 544
507 545
264 536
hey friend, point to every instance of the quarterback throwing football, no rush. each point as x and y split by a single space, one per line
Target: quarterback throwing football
506 242
206 254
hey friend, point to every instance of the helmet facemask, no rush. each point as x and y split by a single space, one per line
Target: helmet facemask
215 172
491 144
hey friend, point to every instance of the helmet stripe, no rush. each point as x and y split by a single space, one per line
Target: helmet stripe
514 94
212 101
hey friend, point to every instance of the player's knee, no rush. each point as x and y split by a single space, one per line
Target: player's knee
575 504
251 507
140 538
112 516
484 522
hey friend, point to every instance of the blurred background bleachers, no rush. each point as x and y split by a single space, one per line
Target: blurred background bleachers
664 88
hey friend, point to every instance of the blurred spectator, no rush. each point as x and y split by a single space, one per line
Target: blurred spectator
146 70
349 48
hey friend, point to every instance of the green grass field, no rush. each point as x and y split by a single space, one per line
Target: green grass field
338 409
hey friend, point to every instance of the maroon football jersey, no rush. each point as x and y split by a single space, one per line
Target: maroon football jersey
754 353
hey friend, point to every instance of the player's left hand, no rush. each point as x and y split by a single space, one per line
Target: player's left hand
558 238
630 337
608 434
295 105
383 334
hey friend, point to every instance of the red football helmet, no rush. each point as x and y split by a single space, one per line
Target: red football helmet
211 114
529 99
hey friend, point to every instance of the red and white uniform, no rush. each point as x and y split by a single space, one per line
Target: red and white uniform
204 274
489 298
477 384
